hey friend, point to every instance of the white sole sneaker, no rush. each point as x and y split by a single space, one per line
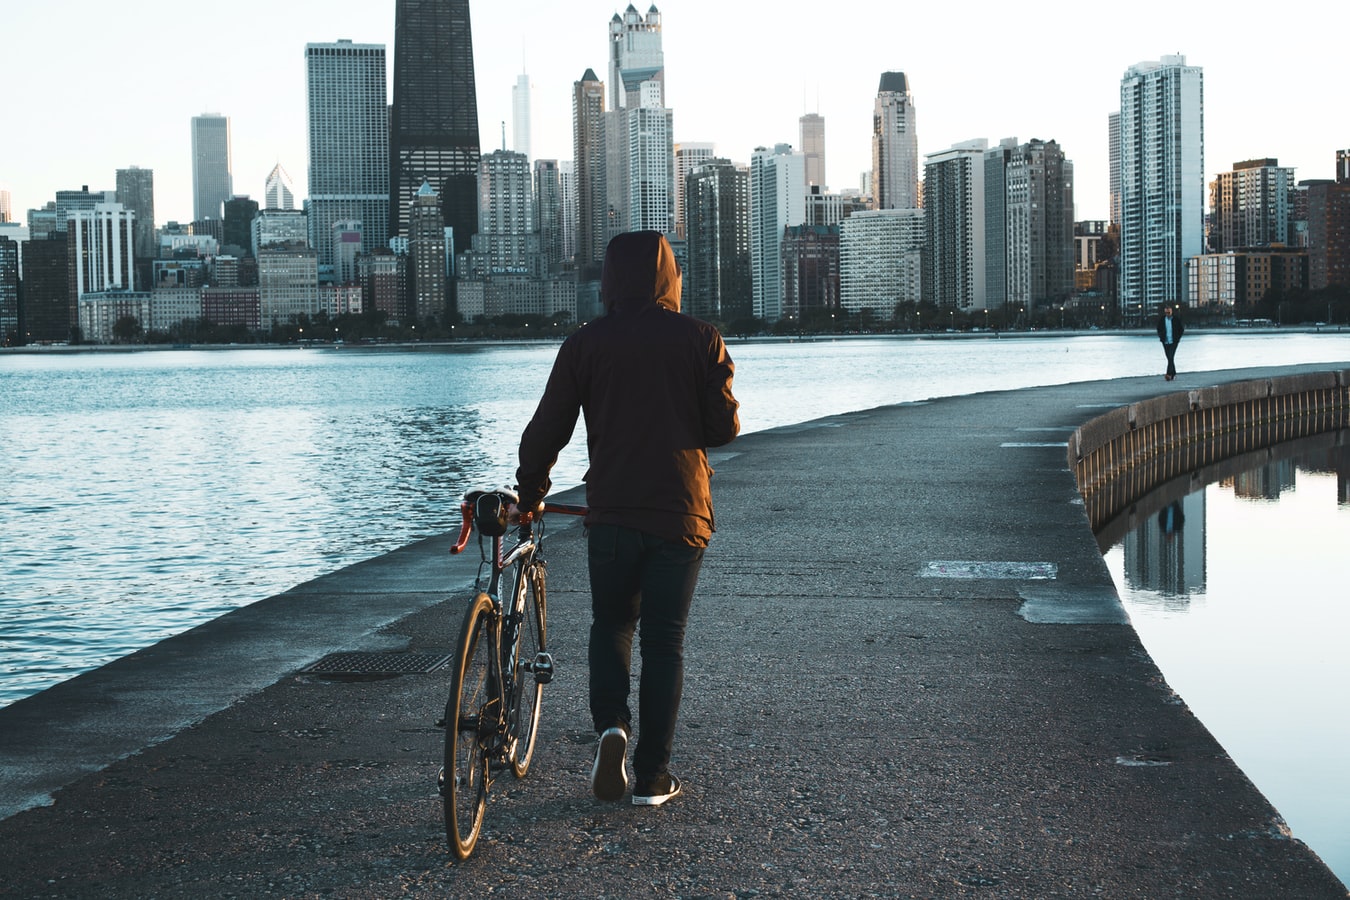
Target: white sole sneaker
609 776
658 799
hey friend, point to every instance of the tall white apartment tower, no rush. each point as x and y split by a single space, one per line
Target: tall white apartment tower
212 183
639 133
521 117
1162 182
895 145
100 242
777 200
348 143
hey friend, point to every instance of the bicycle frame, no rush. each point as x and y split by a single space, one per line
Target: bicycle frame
510 615
498 726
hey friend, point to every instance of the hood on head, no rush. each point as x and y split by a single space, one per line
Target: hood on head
640 269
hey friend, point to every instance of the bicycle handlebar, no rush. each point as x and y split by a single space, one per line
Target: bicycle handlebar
466 512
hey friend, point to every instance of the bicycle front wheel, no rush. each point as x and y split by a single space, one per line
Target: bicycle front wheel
534 667
471 716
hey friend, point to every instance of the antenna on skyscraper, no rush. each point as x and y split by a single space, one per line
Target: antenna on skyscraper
503 134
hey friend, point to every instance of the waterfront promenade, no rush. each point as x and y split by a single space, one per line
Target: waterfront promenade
858 720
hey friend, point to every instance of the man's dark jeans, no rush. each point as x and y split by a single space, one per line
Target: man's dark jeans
638 577
1171 351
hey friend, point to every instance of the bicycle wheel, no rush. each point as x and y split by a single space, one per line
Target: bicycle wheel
531 647
471 715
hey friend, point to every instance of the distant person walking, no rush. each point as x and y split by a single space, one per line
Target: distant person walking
655 388
1170 329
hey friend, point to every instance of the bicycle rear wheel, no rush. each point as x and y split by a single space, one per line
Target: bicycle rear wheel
471 715
531 655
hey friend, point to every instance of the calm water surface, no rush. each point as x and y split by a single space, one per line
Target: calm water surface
144 493
1238 593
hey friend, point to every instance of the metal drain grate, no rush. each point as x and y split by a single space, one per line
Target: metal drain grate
378 664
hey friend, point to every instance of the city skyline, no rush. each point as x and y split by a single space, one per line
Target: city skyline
992 88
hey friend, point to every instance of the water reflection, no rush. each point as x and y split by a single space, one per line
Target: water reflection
1236 587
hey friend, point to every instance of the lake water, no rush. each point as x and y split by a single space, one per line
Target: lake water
1238 593
144 493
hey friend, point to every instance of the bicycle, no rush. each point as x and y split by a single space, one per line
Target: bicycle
501 662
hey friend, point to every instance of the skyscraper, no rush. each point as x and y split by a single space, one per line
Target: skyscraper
1113 158
641 147
717 283
1028 225
895 145
881 260
1162 182
212 183
521 115
348 144
237 234
1328 204
813 148
136 191
100 241
954 261
426 257
548 213
1252 206
777 200
277 191
433 123
689 155
506 241
9 293
589 158
6 214
1039 225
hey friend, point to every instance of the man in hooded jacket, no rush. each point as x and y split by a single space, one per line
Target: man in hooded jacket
655 389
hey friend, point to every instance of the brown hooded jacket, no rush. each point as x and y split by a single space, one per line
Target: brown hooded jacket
655 388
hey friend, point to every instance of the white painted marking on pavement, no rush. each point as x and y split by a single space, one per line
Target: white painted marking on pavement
964 568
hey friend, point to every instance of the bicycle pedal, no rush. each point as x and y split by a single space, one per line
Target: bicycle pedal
542 667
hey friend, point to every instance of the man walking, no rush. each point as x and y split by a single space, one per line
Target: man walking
655 388
1169 332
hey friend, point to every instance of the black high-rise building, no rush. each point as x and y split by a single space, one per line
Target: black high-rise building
240 211
45 297
433 124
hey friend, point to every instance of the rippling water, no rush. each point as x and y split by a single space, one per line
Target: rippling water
144 493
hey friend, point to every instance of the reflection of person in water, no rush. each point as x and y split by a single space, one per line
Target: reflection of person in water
1171 518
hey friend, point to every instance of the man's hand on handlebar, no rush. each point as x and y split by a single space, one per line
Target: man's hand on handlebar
517 516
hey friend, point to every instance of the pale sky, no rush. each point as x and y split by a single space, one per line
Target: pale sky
91 86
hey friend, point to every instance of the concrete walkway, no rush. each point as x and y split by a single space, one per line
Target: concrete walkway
858 722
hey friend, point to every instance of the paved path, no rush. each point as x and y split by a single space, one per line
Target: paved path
855 725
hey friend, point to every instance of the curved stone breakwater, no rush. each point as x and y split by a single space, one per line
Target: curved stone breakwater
1126 454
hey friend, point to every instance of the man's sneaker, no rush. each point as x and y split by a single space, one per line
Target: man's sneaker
609 779
657 791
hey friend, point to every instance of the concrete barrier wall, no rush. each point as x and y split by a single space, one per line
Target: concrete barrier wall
1121 456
